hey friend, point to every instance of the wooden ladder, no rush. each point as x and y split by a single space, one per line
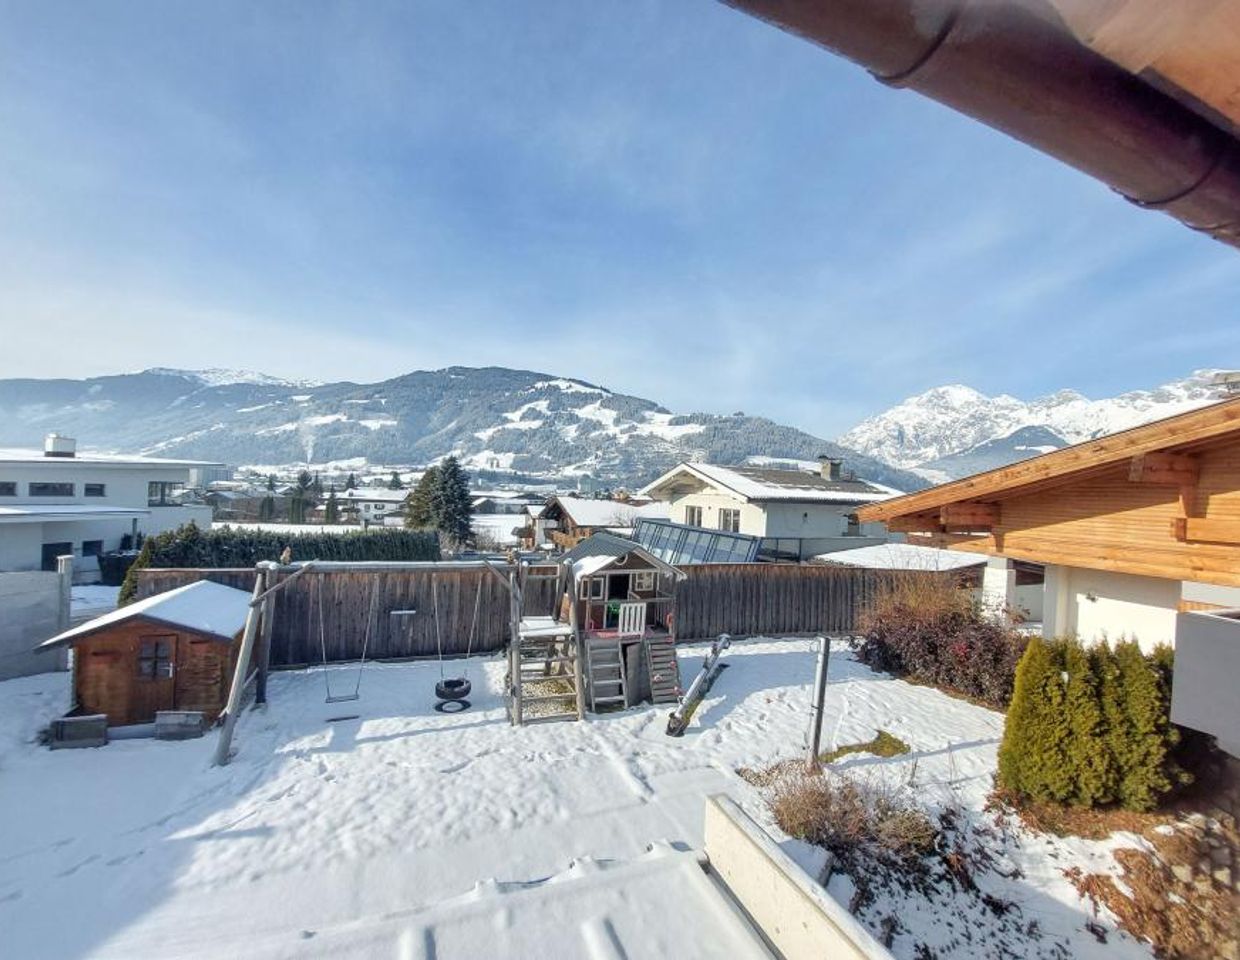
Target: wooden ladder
605 673
541 659
664 669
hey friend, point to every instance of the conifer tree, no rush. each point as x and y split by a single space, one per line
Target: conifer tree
331 513
1091 763
1142 744
1033 758
350 482
451 502
395 483
419 505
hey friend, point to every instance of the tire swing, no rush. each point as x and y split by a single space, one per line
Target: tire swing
450 692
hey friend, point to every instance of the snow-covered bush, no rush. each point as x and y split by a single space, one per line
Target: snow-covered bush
925 627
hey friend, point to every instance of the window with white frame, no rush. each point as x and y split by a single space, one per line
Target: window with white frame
643 581
693 516
730 520
592 588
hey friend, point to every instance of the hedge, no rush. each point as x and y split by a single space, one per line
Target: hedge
189 546
1092 727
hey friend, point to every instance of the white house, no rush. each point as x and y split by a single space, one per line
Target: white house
367 505
797 513
58 502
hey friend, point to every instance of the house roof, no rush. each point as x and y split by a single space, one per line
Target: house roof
207 608
28 456
601 550
1179 434
374 494
588 512
762 484
903 556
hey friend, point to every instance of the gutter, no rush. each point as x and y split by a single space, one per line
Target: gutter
1015 66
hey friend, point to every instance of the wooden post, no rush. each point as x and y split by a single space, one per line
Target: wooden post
514 609
224 746
264 655
579 660
820 696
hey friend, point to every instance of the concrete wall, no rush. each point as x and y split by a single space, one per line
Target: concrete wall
1094 604
33 608
792 910
1206 689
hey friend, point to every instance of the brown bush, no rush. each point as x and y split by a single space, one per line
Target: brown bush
922 625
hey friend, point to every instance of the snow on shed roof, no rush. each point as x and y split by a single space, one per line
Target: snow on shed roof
903 556
588 512
771 483
203 607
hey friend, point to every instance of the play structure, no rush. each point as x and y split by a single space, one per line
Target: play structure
450 692
609 642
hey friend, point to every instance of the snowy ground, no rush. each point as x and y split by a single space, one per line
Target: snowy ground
403 831
91 600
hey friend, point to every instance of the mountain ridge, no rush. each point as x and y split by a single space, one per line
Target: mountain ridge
496 419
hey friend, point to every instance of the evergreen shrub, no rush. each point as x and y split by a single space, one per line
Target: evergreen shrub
1091 727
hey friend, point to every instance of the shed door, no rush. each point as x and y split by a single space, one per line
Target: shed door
154 684
202 671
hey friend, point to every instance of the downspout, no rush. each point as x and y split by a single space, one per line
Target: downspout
1014 66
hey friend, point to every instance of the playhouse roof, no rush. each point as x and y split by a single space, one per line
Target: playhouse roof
601 550
206 608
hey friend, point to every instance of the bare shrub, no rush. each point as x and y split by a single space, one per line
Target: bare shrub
922 625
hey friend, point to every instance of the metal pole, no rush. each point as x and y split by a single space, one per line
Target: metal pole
820 696
224 746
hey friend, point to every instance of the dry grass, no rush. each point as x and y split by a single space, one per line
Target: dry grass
883 745
1063 821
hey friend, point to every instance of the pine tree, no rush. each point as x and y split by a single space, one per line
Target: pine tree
271 483
267 509
419 505
451 502
350 482
394 483
331 513
1145 736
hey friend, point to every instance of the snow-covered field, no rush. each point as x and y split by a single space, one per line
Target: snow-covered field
407 832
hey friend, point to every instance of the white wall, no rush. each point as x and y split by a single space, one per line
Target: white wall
753 519
1205 693
35 607
1094 604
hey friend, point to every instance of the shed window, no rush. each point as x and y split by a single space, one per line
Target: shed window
95 490
8 488
155 658
693 516
50 489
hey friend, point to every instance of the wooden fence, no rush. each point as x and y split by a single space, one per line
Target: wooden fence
746 599
742 599
343 592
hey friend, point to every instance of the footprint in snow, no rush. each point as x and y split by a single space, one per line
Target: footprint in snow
78 866
10 897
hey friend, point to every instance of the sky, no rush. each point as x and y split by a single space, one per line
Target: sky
665 197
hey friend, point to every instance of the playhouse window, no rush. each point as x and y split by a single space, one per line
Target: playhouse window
643 580
592 588
155 659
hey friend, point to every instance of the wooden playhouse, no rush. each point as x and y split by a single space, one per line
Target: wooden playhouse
173 651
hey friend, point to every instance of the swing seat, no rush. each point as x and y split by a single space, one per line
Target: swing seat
343 698
456 688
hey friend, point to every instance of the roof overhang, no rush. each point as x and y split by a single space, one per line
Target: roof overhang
78 634
1140 94
64 515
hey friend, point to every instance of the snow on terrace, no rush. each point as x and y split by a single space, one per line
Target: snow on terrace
406 832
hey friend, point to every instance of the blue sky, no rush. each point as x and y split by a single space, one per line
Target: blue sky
663 196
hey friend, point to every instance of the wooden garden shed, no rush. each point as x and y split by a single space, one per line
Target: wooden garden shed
173 651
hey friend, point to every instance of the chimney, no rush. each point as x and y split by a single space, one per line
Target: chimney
830 467
54 445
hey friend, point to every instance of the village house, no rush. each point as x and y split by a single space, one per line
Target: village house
566 520
58 502
1139 534
371 505
797 513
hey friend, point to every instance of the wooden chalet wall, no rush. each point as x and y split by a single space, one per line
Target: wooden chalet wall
748 599
346 598
1115 520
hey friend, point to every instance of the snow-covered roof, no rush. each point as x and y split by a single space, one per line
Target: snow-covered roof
24 455
41 513
586 512
761 483
373 494
204 607
903 556
603 549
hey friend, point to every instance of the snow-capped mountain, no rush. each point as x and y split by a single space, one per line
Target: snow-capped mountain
953 431
499 421
220 377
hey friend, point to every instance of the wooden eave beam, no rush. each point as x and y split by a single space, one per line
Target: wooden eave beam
969 516
1172 469
1204 530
